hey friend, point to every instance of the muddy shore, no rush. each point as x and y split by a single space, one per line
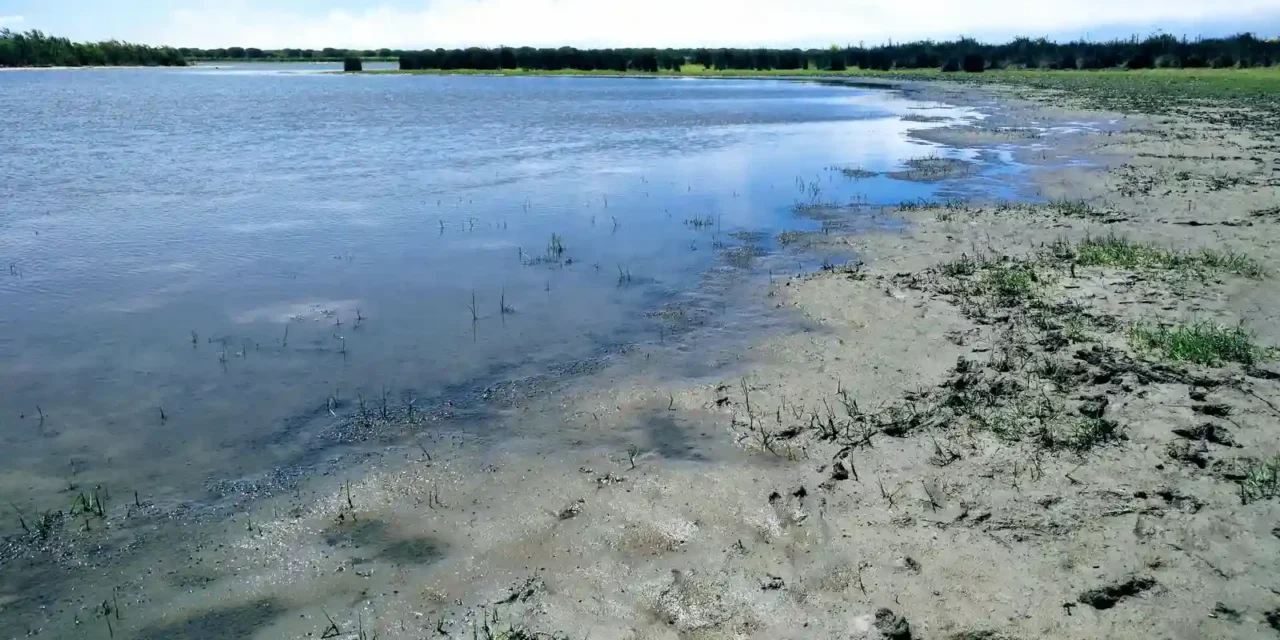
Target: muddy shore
1002 420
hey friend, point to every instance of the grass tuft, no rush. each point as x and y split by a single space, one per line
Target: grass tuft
1261 481
1094 432
962 266
1010 284
1203 342
1075 208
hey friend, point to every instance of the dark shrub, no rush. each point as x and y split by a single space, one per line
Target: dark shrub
352 64
1141 60
1091 62
973 63
507 58
1223 61
951 66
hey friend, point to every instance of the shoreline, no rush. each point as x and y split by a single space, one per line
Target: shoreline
939 494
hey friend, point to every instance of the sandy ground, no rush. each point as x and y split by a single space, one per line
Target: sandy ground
966 442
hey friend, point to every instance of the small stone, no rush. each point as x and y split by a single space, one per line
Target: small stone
1273 619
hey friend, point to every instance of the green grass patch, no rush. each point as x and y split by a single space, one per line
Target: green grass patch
1204 342
1191 83
1244 98
1230 262
1117 251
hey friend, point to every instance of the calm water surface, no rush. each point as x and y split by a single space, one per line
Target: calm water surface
193 262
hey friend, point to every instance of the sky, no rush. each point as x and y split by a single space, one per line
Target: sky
371 24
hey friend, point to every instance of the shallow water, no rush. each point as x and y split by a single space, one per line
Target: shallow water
162 229
205 269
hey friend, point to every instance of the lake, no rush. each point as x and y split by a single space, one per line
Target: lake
202 269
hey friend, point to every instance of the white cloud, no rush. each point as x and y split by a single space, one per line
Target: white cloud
11 21
449 23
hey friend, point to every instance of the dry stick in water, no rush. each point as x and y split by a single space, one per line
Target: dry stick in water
933 502
331 631
22 521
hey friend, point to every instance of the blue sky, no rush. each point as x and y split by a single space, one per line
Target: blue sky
420 23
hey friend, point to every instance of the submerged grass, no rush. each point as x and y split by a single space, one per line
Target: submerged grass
1203 342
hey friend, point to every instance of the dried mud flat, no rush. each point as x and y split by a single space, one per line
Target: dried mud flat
1056 420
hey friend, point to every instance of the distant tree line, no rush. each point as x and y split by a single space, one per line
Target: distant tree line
965 54
36 49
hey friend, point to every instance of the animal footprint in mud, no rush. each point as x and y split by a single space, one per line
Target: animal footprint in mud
1108 596
907 563
1208 432
572 510
1215 410
790 510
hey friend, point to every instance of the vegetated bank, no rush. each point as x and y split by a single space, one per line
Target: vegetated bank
37 49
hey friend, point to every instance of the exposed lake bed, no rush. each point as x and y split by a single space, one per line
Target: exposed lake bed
613 481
